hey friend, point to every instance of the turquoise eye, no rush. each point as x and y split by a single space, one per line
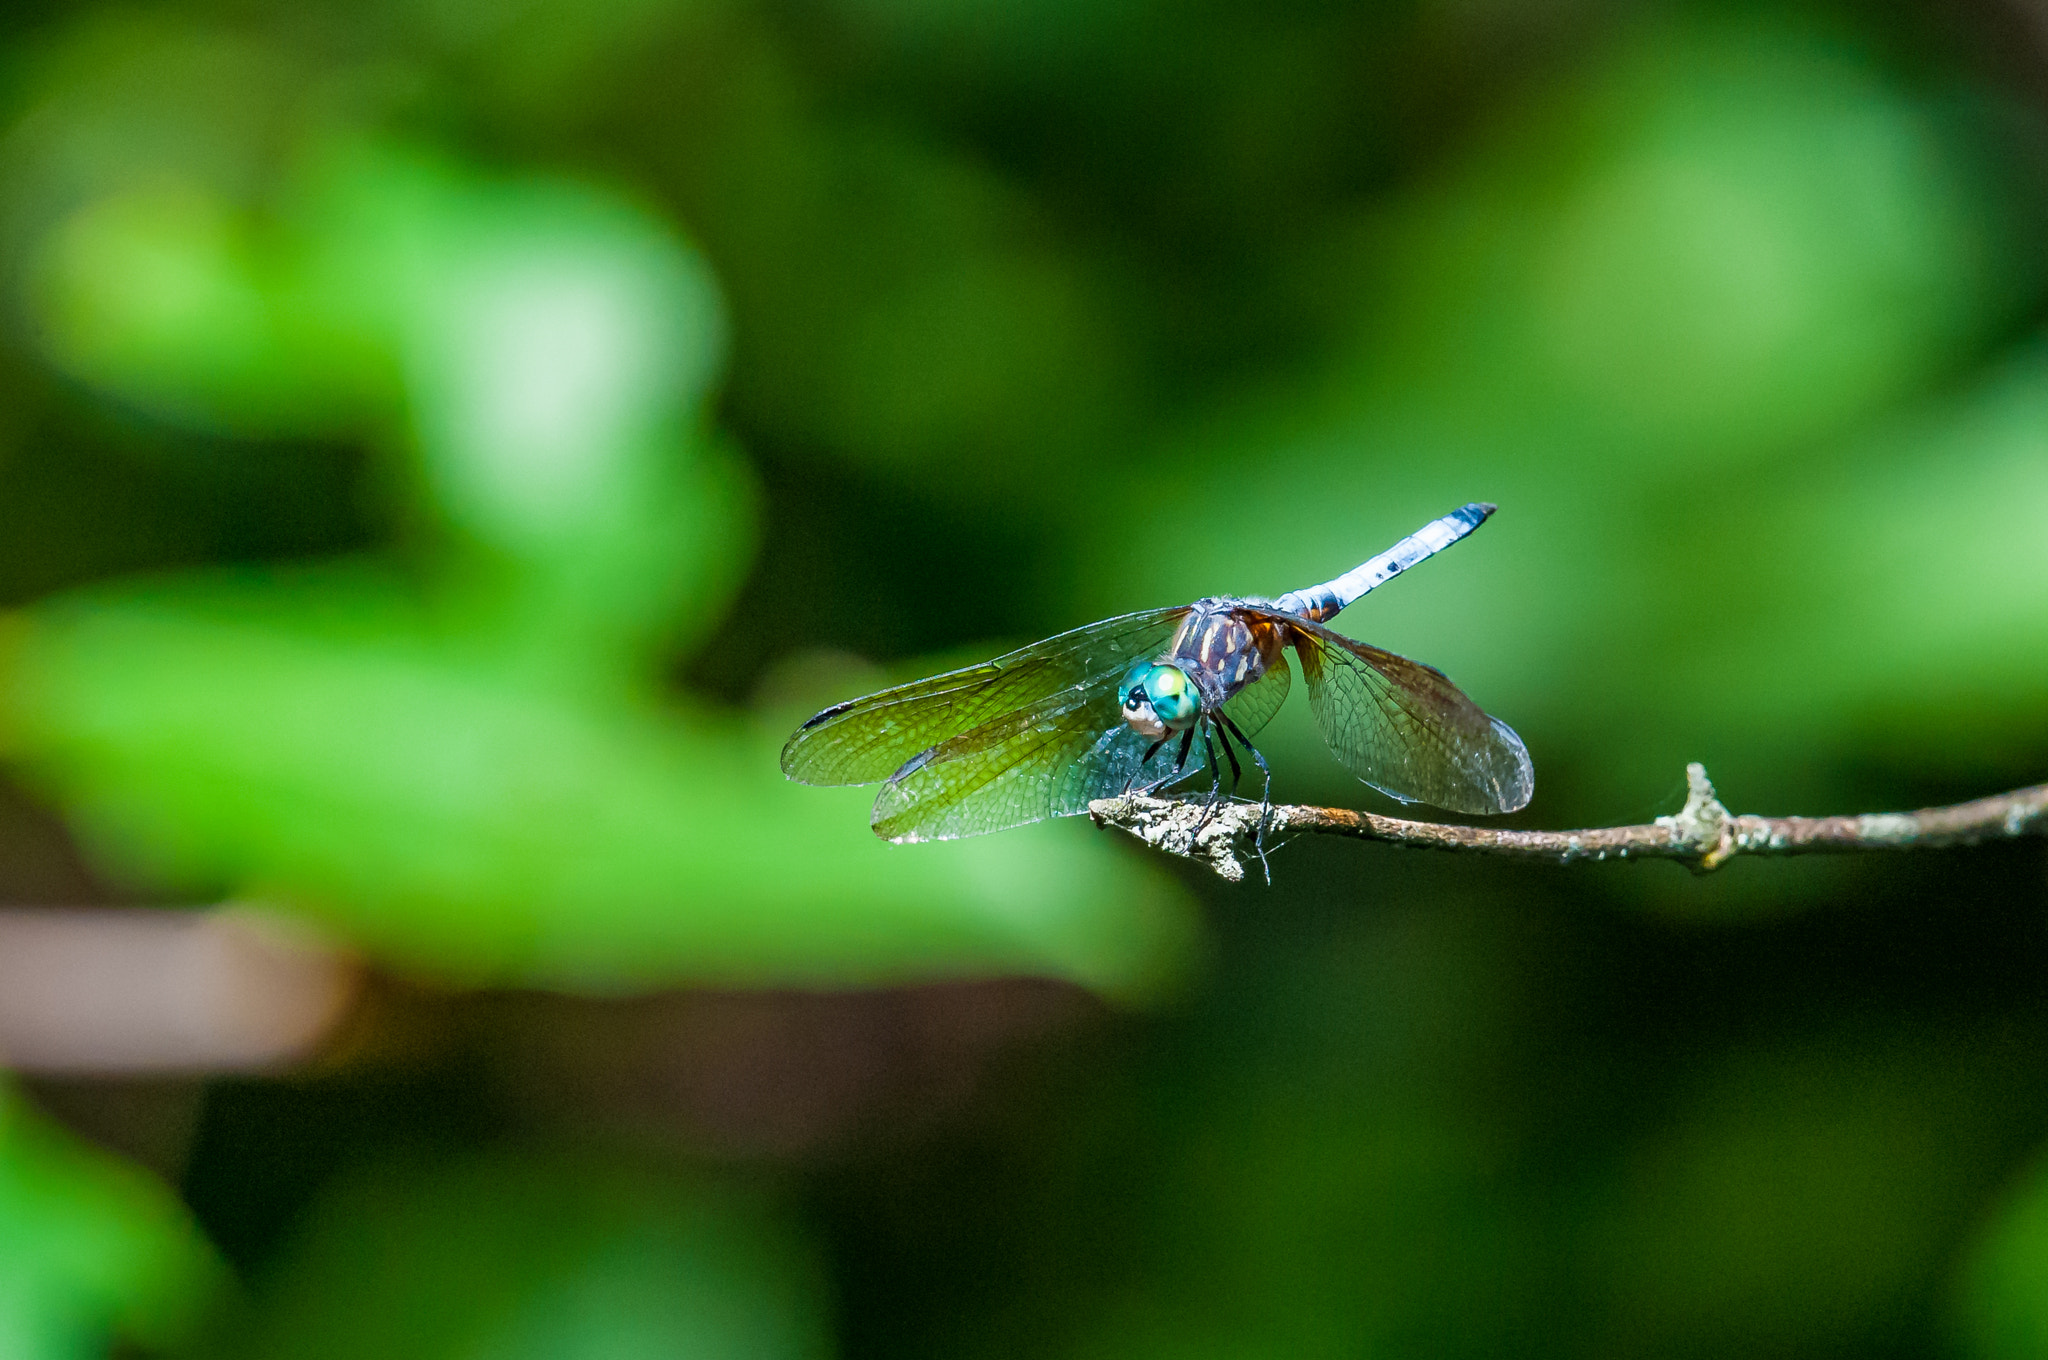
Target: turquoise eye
1158 694
1134 679
1172 694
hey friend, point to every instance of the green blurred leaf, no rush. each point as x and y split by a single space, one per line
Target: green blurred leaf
476 794
162 293
90 1249
909 308
1796 1194
324 746
507 1259
548 346
2002 1303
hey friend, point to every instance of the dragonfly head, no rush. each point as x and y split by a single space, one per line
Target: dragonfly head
1158 698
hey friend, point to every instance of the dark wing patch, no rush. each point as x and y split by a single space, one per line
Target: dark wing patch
869 739
1405 729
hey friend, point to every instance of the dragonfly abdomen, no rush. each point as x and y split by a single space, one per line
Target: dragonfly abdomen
1322 603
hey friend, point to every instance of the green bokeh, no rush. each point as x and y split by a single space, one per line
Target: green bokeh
446 447
2003 1305
91 1249
463 769
511 1258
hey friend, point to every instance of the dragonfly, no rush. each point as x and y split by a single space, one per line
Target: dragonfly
1141 703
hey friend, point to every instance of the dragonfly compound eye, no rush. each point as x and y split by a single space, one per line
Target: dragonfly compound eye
1130 692
1173 695
1137 704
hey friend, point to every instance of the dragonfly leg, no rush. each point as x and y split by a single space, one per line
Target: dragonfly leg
1244 741
1187 744
1265 795
1223 727
1215 773
1236 771
1143 761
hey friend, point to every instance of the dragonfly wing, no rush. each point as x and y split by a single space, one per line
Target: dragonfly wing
1050 760
1254 706
1406 730
866 740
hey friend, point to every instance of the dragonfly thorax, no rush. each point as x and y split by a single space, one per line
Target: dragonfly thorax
1159 698
1221 650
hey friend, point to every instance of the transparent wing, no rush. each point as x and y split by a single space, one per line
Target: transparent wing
1050 760
1254 706
865 740
1405 729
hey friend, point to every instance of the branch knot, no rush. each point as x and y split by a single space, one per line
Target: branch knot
1703 826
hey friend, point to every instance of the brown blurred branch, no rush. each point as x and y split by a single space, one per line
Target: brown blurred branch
1703 835
98 991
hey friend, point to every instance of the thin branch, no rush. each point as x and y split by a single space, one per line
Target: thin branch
1703 835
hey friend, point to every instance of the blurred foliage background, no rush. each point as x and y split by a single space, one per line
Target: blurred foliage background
445 446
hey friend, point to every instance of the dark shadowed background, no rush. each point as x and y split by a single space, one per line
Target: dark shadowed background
445 447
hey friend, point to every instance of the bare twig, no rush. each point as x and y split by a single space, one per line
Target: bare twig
1703 835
